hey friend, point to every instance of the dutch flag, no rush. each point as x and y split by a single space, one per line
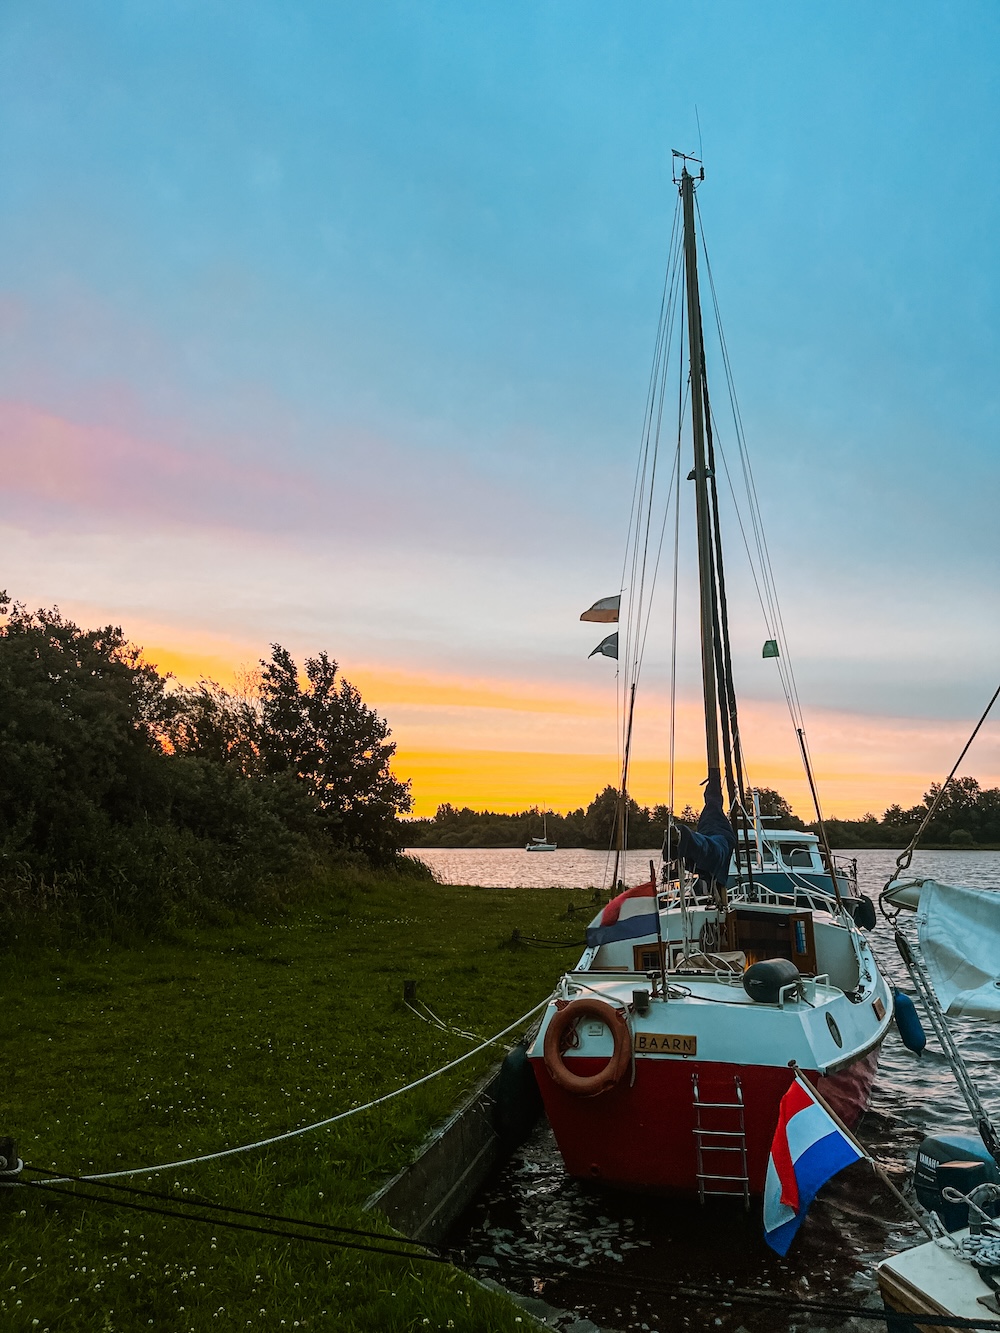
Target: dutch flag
808 1149
627 917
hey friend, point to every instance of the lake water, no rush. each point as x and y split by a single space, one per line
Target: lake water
580 867
533 1214
514 868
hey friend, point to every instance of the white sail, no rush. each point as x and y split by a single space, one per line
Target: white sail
959 931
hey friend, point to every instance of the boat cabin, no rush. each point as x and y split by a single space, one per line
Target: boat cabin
790 861
733 939
782 849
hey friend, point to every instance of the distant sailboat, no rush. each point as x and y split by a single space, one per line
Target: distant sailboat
541 844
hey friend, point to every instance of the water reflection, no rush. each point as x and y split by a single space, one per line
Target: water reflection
514 868
580 867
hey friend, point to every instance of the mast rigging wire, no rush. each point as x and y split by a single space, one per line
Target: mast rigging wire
772 610
765 585
640 567
906 856
636 570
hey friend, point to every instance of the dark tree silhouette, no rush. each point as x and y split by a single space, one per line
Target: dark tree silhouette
336 747
145 804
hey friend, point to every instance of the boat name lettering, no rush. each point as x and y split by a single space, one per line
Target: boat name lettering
664 1043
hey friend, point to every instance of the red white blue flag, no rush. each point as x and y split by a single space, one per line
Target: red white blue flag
809 1148
627 917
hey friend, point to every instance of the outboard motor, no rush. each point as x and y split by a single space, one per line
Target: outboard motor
765 981
958 1160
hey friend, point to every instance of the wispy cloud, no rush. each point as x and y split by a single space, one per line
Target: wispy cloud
96 474
350 487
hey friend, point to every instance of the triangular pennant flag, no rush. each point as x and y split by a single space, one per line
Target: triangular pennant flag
605 611
608 646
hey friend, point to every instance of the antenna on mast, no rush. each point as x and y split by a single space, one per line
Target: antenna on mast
685 159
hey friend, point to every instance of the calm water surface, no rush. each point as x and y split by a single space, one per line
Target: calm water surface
514 868
579 867
532 1213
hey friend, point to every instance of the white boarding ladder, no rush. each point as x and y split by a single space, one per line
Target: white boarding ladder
721 1145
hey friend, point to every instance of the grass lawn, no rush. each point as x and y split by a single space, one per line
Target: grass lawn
128 1056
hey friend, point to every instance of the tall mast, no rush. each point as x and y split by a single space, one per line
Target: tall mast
705 568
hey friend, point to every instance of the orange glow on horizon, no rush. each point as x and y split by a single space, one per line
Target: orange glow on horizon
379 687
469 741
508 781
401 687
189 665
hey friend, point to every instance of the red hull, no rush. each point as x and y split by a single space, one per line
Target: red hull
642 1137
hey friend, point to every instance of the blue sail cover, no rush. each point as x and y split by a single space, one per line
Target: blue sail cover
709 851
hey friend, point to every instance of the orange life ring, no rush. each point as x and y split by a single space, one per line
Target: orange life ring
557 1038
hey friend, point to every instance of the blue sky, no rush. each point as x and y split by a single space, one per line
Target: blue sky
331 324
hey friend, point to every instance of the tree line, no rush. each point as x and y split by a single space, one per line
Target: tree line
590 827
126 799
968 816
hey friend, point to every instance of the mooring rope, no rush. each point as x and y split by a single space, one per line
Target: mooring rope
905 857
395 1247
306 1129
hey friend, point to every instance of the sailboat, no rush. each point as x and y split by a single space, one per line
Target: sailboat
793 864
541 844
662 1057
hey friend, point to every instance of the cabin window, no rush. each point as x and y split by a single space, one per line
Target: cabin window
762 935
649 957
796 857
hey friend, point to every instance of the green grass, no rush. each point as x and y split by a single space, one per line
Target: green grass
128 1056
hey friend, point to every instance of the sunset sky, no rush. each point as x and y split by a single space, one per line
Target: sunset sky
331 323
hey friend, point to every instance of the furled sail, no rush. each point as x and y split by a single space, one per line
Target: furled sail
709 851
959 931
605 610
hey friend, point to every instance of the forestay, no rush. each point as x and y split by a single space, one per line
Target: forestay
959 931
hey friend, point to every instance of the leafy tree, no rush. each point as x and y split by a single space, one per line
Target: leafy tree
131 802
774 805
904 820
208 722
321 733
971 813
599 821
79 717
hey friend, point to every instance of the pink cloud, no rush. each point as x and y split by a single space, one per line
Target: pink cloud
68 474
52 464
